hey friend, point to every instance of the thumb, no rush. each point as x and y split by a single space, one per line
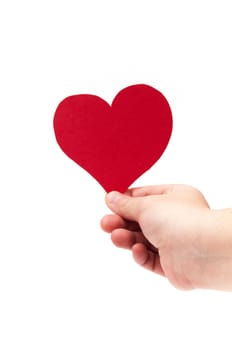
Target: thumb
127 207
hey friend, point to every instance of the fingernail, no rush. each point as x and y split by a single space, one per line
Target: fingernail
113 196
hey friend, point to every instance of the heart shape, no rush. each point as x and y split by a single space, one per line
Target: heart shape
115 144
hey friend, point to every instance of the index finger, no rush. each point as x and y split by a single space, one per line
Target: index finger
149 190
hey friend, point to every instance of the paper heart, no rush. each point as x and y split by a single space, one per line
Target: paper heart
116 144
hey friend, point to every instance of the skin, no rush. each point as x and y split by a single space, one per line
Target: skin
172 231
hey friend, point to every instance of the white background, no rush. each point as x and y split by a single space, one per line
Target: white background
63 285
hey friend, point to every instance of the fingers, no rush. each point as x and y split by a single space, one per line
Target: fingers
146 258
123 238
127 235
112 222
126 239
150 190
131 204
125 206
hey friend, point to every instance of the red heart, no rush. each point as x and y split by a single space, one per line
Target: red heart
118 143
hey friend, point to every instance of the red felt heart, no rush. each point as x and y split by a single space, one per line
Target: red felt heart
118 143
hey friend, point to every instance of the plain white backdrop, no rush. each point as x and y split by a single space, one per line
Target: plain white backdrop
63 285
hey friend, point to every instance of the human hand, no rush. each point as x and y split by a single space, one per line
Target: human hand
172 231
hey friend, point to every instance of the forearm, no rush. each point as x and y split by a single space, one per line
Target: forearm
217 254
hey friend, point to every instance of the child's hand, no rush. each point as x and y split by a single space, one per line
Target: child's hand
172 231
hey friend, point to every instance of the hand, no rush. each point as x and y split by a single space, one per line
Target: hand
172 231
